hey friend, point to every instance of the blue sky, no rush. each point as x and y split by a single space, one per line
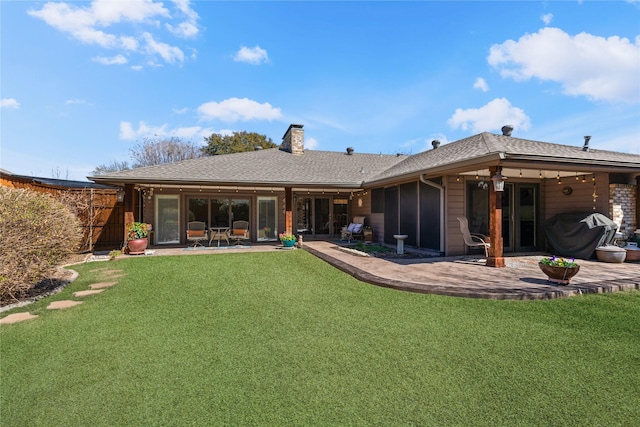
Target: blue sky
83 82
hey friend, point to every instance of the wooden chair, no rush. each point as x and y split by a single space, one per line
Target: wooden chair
196 231
355 230
239 231
473 240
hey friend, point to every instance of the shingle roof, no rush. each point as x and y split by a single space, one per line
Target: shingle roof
486 145
274 167
264 167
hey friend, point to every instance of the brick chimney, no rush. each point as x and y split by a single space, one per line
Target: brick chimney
293 140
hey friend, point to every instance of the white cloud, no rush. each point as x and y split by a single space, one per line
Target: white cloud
77 102
192 133
481 84
90 24
169 53
547 18
490 117
180 110
114 60
585 65
189 27
311 144
255 55
235 109
9 103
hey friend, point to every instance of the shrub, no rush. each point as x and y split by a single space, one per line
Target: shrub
37 233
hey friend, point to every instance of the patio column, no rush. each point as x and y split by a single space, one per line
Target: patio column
288 215
495 258
128 209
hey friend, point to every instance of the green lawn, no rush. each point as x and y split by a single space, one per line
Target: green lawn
281 338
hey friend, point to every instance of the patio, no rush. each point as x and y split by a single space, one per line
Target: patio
462 276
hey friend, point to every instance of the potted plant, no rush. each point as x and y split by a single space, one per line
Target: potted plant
288 240
137 234
559 270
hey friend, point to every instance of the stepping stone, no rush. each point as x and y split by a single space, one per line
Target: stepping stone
81 294
102 285
16 317
56 305
111 272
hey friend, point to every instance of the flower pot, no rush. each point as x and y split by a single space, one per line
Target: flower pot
559 275
611 254
288 243
137 246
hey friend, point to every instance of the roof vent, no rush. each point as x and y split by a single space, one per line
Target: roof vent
506 130
585 147
435 143
349 150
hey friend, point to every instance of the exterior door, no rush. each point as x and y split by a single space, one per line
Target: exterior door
320 216
167 219
520 217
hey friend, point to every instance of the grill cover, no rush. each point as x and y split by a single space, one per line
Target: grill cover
578 234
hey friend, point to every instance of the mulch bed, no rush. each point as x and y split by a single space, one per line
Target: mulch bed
53 284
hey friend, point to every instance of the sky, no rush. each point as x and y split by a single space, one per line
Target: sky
81 83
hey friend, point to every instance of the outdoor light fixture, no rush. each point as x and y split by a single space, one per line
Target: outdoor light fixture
120 196
498 181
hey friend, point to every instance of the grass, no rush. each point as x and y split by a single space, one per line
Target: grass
285 339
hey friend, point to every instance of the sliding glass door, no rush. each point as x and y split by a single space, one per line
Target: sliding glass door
219 212
267 219
167 220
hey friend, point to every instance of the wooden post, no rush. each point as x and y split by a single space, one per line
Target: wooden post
495 258
128 209
288 215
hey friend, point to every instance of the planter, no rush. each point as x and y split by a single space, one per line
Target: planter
559 275
633 253
288 243
137 246
611 254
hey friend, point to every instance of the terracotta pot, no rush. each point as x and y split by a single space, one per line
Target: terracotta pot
559 275
137 246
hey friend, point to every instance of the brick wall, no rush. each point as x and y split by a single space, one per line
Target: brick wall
622 205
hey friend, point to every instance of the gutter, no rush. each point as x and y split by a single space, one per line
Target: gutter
441 188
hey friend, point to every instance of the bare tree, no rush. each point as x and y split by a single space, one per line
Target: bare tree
114 166
152 152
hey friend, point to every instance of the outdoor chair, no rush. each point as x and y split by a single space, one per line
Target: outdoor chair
239 231
196 231
355 230
473 240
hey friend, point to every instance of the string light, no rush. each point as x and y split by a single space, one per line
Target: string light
540 174
520 173
584 178
577 178
476 175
